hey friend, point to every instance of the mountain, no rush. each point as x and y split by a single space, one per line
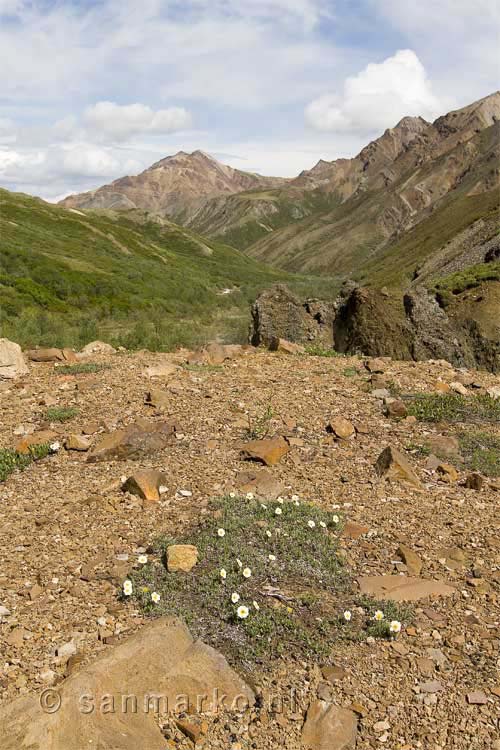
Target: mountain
68 276
412 176
174 187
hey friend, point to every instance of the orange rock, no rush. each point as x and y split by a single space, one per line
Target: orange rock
181 557
269 451
36 438
145 484
341 428
393 465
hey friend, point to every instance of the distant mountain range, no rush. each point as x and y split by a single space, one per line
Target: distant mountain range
349 217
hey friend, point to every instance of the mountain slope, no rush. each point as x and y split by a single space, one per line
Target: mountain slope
394 184
69 276
173 187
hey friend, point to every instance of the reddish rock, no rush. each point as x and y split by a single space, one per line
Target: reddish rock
393 465
145 484
268 451
135 440
36 438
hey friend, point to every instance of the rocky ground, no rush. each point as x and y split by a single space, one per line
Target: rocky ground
69 535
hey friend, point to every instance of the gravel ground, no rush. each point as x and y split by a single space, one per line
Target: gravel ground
67 530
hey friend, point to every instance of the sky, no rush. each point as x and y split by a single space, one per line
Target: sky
92 90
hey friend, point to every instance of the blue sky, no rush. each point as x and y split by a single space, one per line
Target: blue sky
94 90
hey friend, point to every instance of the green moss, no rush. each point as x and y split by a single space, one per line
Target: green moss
61 413
11 460
449 286
481 452
318 350
82 368
454 408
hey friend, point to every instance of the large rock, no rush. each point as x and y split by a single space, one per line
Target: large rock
434 335
329 727
12 363
181 557
402 588
259 482
134 441
368 323
279 314
97 703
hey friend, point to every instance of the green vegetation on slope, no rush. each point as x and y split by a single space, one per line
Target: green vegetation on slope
68 277
469 278
244 218
397 263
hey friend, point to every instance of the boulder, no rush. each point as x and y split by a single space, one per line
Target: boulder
474 481
111 704
391 464
402 588
268 451
181 557
161 370
45 355
396 408
52 355
434 336
97 347
329 727
279 314
447 473
368 323
145 484
134 441
12 363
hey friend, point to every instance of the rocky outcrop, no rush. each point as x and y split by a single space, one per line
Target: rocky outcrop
467 333
279 314
368 323
12 363
434 337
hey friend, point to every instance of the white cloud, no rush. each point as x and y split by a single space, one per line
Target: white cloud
89 161
120 122
377 97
